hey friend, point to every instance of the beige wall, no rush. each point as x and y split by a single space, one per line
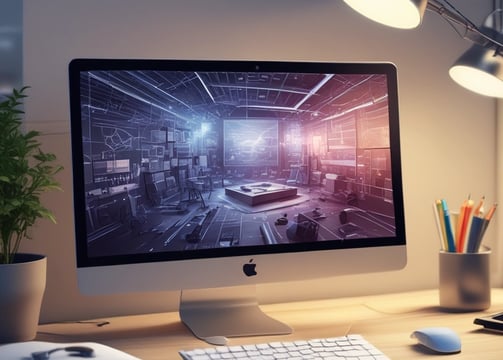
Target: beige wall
448 134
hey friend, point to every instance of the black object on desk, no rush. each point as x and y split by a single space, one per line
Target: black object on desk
81 351
491 322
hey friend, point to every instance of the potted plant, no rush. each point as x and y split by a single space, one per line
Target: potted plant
25 173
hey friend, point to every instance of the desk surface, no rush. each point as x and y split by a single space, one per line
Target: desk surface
385 320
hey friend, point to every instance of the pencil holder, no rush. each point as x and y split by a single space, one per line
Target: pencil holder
464 281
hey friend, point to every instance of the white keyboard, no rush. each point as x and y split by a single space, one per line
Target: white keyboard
353 347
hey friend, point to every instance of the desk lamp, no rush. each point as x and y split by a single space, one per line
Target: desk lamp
480 69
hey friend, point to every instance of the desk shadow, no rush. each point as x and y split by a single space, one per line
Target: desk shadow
456 311
92 332
486 331
421 310
439 309
421 349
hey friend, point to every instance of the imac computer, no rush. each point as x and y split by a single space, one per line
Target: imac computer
210 177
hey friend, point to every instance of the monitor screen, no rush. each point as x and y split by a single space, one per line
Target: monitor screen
202 174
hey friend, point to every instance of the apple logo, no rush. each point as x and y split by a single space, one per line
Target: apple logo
249 268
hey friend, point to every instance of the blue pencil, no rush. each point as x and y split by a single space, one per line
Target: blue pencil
448 228
475 236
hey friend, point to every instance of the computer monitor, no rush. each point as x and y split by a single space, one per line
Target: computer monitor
207 176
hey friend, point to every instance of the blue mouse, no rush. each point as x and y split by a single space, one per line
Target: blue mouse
439 339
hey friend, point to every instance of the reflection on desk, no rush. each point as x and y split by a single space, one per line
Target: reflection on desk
385 320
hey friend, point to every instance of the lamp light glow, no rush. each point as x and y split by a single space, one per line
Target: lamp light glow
402 14
480 70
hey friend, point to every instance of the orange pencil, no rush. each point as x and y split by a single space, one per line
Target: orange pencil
464 219
459 223
491 212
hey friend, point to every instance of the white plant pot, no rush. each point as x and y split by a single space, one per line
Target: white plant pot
22 286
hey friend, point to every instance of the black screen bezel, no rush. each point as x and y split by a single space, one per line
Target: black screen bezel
77 66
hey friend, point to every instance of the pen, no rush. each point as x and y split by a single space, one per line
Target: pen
451 246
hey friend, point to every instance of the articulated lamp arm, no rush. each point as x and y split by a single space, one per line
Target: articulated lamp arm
486 37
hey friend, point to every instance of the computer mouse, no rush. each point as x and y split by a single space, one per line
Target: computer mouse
439 339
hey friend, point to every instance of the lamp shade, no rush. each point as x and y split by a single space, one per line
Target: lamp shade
402 14
479 70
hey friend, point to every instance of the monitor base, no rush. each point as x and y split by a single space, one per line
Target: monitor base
228 312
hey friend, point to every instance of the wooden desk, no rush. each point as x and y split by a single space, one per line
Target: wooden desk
385 320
